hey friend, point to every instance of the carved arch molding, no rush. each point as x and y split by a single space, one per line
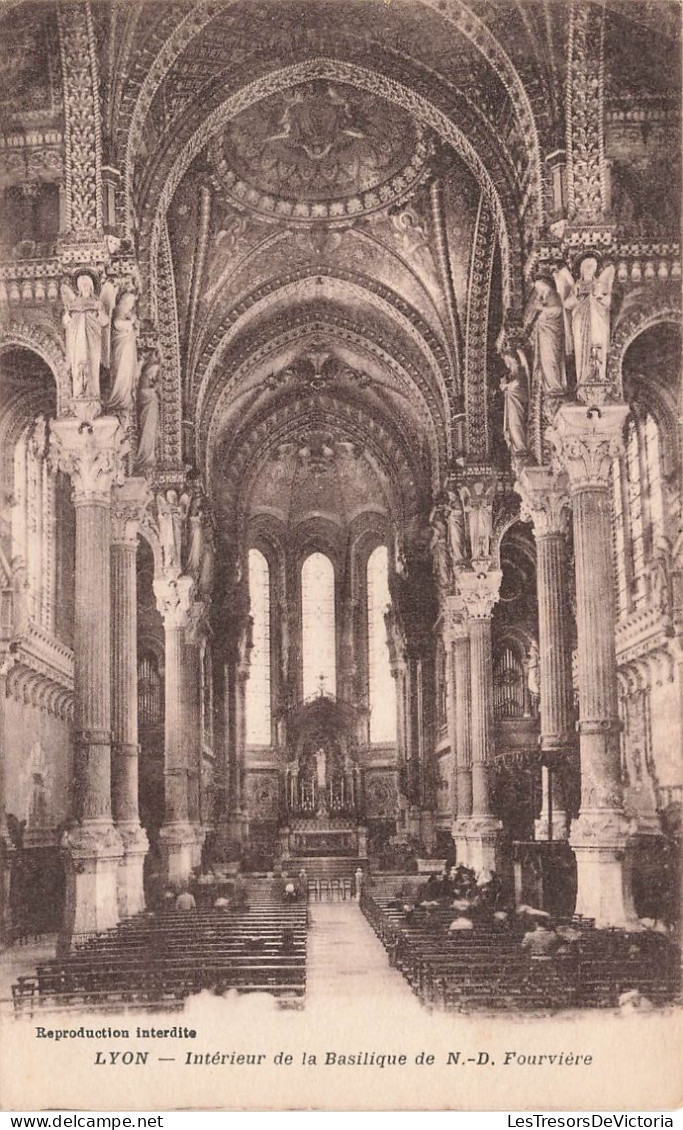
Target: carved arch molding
500 199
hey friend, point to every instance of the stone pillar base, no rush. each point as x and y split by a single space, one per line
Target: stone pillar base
199 837
129 879
482 834
92 856
459 836
601 845
177 844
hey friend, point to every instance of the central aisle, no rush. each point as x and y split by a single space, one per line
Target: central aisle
346 961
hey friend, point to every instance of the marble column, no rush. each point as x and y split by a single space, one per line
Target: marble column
587 440
177 836
128 505
545 500
92 453
479 593
459 705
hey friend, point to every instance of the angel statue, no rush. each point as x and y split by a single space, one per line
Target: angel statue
124 353
148 414
515 388
544 321
588 302
86 321
438 543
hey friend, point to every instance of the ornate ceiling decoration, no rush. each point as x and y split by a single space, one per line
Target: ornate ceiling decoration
318 153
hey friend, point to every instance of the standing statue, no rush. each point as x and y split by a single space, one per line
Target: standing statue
148 414
208 565
588 302
124 353
169 533
533 676
515 388
195 536
86 321
438 543
457 540
545 323
478 500
320 767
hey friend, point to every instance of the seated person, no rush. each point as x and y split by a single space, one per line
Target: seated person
431 891
185 901
221 903
491 892
290 892
541 941
463 879
462 922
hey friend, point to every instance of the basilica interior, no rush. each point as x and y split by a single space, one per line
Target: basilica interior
340 394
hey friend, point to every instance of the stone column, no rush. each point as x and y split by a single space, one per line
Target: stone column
177 836
479 593
92 454
587 440
194 632
459 704
545 501
128 505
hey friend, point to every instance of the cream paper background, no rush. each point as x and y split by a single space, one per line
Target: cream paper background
636 1061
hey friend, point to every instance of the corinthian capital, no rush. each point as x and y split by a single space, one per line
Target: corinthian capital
586 441
545 500
174 600
454 618
91 453
128 504
479 592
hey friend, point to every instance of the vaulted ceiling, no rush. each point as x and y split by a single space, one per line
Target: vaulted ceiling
331 203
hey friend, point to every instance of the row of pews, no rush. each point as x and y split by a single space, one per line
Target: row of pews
155 961
487 968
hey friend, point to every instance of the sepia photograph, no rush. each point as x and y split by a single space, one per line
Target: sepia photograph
341 554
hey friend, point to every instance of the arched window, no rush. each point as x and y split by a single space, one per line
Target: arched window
381 684
638 512
318 629
258 684
149 690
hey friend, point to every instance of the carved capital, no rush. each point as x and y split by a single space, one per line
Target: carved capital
479 592
91 453
174 597
586 442
454 619
545 500
128 505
